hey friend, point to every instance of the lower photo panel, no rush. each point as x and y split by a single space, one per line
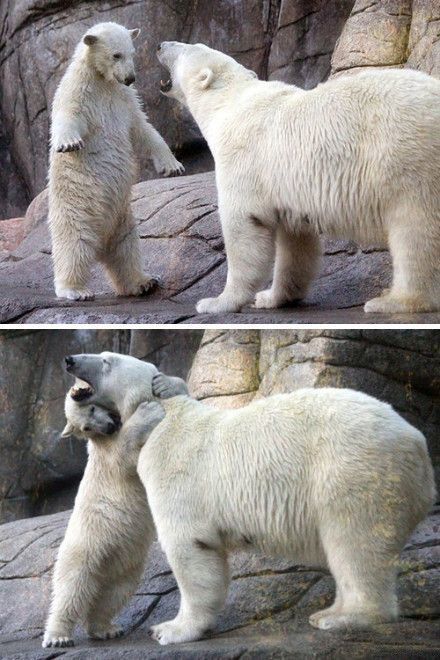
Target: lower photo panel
219 493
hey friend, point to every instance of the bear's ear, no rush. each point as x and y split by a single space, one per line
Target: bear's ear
135 33
90 39
205 78
68 430
252 73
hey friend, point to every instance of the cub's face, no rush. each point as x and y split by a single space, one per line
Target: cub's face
196 68
87 420
111 51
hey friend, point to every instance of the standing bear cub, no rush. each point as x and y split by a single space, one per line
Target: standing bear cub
328 477
97 125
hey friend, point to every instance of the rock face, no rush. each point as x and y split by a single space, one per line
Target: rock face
232 367
39 471
266 613
38 38
182 243
390 33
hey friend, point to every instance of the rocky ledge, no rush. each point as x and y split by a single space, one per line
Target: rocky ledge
266 613
182 244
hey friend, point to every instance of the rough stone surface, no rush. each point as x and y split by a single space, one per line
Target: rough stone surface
401 367
38 36
183 245
390 33
266 613
39 471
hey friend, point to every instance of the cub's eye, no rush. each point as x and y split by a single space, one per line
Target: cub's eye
117 56
87 428
92 409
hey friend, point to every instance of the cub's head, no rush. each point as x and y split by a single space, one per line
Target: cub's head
196 69
109 49
88 420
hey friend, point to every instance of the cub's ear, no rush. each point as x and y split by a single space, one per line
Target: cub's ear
135 33
205 78
252 73
68 430
90 39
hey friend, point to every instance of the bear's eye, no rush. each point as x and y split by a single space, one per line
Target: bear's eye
87 428
92 409
117 56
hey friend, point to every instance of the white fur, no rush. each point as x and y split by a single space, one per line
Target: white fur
102 556
356 158
328 477
97 125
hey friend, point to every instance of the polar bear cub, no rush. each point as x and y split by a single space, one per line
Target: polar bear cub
358 157
97 126
103 554
328 477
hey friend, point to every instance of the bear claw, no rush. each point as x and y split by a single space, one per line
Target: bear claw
58 642
73 145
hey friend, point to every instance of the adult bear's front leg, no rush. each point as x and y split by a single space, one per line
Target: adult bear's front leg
201 572
250 249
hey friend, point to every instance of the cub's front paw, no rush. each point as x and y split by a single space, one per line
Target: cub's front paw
168 166
172 632
113 632
50 641
70 144
73 294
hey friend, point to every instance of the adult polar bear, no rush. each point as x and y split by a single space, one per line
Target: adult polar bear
328 477
97 127
358 157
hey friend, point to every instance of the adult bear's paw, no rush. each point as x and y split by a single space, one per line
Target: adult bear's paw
172 632
217 305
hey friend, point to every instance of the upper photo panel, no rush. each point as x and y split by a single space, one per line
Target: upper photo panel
238 161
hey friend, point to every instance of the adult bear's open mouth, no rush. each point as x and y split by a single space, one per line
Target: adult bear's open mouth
166 85
81 391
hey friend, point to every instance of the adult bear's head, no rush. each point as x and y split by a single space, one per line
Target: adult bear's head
115 381
195 69
109 49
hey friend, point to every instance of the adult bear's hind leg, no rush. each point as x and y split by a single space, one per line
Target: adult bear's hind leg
365 583
296 263
414 241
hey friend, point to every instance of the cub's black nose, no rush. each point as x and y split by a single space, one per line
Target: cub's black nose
111 428
69 361
129 80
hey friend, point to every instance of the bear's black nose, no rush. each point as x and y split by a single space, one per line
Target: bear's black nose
69 361
111 428
129 80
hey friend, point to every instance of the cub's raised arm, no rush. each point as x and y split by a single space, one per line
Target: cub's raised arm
165 387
